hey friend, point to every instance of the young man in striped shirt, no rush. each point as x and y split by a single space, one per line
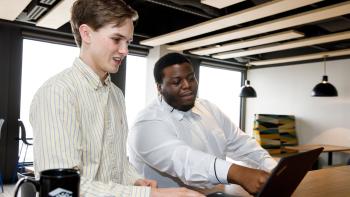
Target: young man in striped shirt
78 116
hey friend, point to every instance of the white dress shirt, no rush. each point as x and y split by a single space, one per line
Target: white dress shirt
177 148
78 121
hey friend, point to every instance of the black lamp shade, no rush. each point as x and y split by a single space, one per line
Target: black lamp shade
324 88
247 90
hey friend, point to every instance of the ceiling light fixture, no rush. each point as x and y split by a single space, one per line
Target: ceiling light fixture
324 89
247 91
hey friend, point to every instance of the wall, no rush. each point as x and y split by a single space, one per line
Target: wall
10 72
287 90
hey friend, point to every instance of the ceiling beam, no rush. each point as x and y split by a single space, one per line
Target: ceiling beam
263 10
58 15
221 3
10 9
288 45
281 36
290 21
336 53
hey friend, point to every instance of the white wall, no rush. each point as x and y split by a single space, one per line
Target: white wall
287 90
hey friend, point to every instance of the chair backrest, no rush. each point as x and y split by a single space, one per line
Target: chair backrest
23 133
274 132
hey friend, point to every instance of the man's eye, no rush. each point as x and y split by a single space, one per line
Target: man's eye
116 39
177 82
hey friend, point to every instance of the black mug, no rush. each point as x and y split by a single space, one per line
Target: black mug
54 183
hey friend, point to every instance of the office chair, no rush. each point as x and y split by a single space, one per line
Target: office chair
27 190
24 139
20 165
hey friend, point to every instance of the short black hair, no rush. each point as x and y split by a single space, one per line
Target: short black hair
165 61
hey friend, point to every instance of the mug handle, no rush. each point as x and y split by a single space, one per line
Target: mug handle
26 180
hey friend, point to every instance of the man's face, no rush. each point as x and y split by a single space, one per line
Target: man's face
107 47
179 86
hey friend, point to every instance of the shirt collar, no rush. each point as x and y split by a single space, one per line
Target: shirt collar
92 78
179 115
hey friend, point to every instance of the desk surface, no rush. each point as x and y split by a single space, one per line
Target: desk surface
326 182
327 147
334 181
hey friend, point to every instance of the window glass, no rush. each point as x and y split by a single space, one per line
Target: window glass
41 60
135 86
221 87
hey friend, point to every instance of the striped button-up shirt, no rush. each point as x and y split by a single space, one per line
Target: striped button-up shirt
79 121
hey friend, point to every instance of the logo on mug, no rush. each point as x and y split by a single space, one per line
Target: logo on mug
59 192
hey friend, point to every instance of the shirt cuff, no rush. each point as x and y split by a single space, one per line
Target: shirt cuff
268 164
141 191
221 168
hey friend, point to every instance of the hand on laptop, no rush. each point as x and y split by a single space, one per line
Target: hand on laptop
250 179
174 192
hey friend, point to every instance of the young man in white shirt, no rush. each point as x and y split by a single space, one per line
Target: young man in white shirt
78 116
181 140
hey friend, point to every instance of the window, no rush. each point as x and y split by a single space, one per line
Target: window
135 86
221 87
41 60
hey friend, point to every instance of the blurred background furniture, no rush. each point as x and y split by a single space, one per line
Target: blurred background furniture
23 166
24 144
275 132
327 148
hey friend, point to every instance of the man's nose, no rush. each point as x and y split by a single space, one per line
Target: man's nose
185 84
123 49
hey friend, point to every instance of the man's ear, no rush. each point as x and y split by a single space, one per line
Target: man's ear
85 33
159 88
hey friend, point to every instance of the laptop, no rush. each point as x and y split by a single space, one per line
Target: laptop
287 175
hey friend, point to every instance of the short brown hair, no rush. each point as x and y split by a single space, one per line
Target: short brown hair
97 13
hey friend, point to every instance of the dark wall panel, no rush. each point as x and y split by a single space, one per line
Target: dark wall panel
119 77
10 80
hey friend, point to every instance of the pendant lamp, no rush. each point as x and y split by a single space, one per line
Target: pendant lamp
247 90
324 89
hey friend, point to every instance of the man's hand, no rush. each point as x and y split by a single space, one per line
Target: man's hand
250 179
174 192
146 182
